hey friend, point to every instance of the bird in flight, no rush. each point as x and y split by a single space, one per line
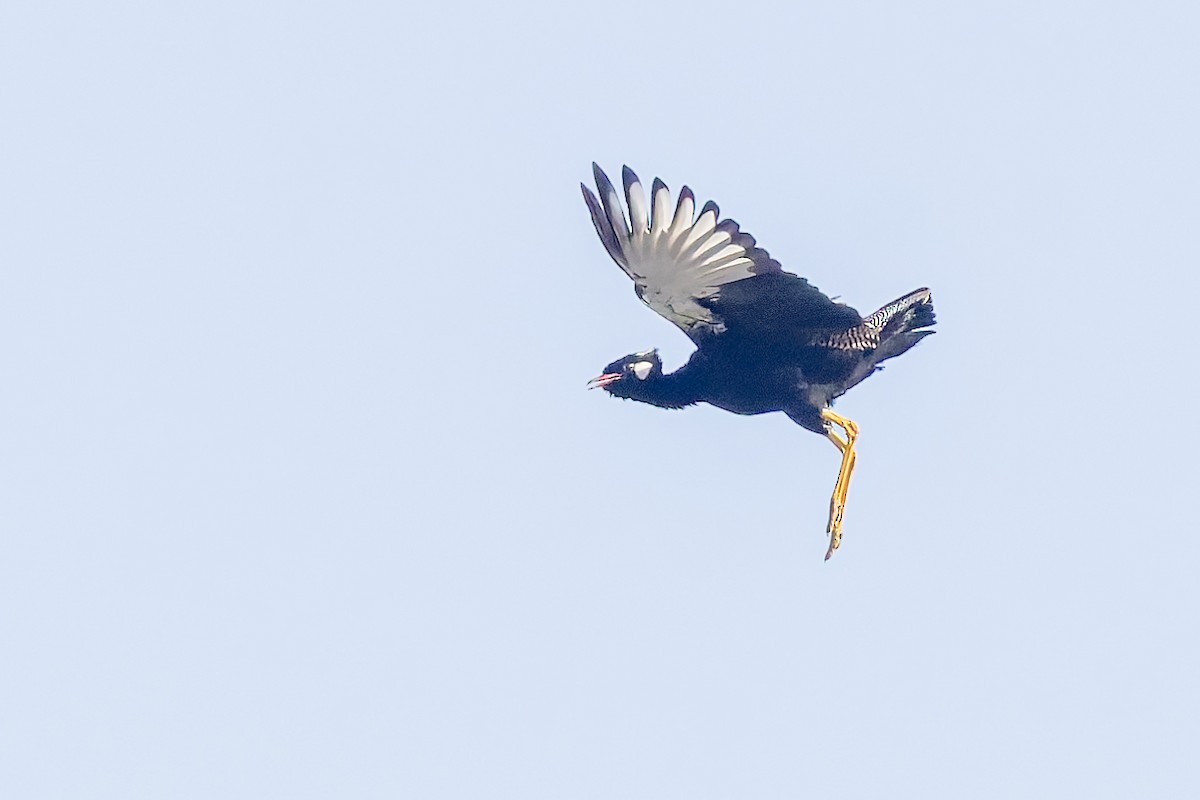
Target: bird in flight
766 340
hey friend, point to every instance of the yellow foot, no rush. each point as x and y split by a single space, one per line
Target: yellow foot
837 503
834 530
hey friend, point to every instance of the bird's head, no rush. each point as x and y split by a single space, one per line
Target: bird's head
623 376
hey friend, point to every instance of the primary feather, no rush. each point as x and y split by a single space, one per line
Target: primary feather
675 260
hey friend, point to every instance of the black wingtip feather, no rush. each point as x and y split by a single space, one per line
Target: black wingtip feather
656 186
602 181
744 240
684 193
728 226
630 179
603 225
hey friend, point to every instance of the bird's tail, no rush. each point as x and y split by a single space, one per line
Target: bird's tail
897 327
902 323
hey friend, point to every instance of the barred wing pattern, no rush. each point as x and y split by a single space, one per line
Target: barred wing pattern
899 314
675 259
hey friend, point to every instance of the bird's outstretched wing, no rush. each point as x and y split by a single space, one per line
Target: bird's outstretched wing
679 262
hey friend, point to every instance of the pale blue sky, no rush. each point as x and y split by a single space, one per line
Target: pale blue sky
302 495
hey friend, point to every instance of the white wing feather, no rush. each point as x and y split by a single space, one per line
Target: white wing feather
674 259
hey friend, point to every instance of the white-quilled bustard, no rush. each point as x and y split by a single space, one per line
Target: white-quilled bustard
766 340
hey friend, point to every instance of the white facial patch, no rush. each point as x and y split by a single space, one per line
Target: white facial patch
642 368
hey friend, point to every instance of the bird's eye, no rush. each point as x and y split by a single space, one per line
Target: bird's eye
642 369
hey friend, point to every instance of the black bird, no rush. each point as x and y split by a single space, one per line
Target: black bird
766 340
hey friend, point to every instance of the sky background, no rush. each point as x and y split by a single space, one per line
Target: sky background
302 496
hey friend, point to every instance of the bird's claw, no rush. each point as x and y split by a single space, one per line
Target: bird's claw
834 529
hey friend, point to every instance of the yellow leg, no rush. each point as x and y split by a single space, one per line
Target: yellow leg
837 503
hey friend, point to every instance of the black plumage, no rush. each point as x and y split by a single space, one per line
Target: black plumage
766 340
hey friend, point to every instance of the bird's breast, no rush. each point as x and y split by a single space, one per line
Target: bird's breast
753 389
